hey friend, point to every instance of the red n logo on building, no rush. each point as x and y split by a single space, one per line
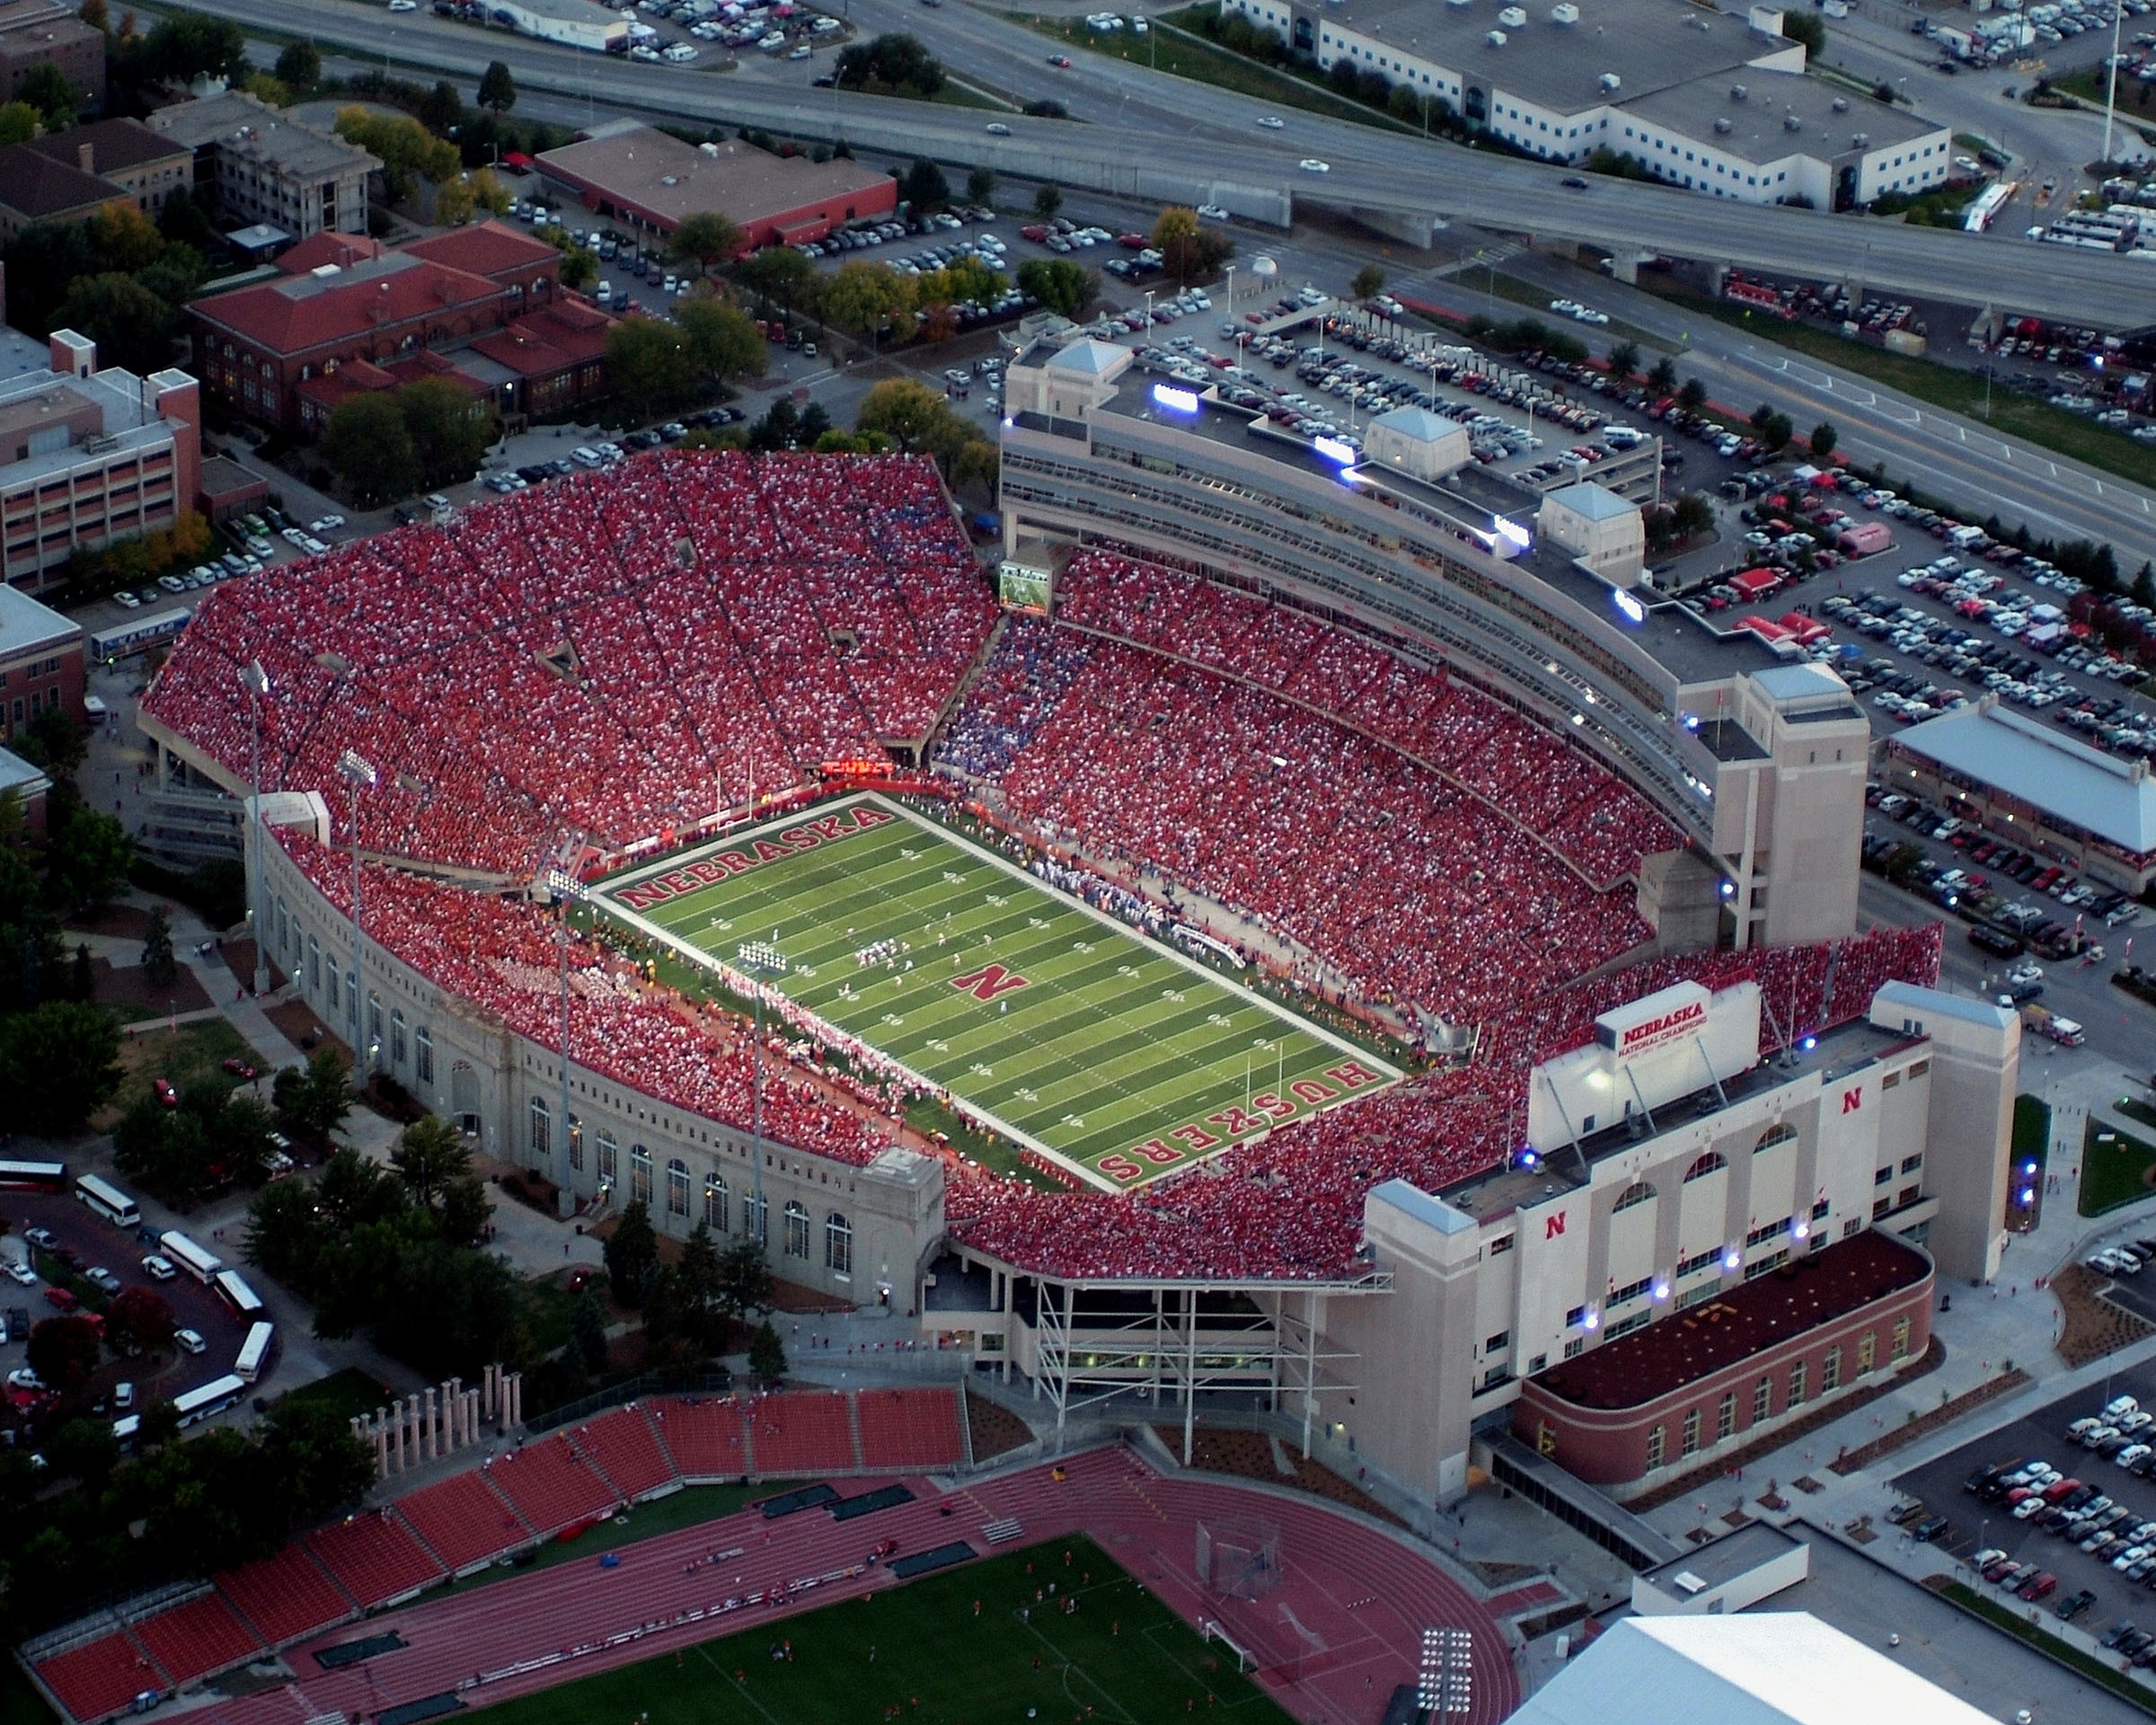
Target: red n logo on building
989 981
1852 1100
1553 1226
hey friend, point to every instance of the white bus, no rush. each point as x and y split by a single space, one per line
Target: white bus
202 1265
137 634
254 1352
245 1303
213 1398
108 1200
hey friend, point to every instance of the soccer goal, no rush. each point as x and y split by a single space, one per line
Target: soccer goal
1208 1631
1237 1557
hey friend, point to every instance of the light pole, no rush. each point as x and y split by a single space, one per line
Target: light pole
2118 14
761 958
255 680
359 772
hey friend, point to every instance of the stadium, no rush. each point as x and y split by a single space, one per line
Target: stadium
1193 978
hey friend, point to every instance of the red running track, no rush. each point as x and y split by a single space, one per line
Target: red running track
1365 1594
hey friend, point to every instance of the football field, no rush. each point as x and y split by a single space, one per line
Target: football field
1051 1023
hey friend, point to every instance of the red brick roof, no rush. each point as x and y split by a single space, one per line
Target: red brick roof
1688 1346
343 249
483 248
548 342
301 313
34 185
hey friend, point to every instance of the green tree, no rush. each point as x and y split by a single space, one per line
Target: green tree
160 1425
87 859
708 238
64 1351
767 1353
449 428
631 1255
58 1064
649 365
467 1210
159 967
1823 439
84 1450
721 339
1662 378
980 186
588 1330
778 272
700 1264
94 13
745 1284
580 263
18 122
924 186
139 1317
2144 585
862 297
368 447
132 326
497 88
1692 395
1624 362
429 1154
1047 200
313 1100
54 741
1806 27
189 45
1691 515
287 1234
489 193
299 66
311 1461
407 151
1189 251
890 65
1369 280
1059 284
455 203
45 87
441 110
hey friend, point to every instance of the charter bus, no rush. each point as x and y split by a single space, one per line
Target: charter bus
254 1352
212 1399
137 634
33 1176
203 1266
245 1303
106 1200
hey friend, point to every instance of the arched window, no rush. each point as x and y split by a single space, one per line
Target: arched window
755 1220
1638 1192
542 1127
640 1175
576 1144
714 1203
678 1187
1780 1132
838 1245
797 1230
422 1047
314 962
1709 1164
608 1150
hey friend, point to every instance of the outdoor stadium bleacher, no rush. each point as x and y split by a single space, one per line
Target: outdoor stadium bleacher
550 1484
286 1596
704 1435
100 1678
902 1430
201 1636
623 1446
806 1431
373 1557
462 1521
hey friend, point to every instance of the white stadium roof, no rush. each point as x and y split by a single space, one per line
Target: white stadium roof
2077 785
1783 1668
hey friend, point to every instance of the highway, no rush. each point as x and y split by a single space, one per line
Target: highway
1156 137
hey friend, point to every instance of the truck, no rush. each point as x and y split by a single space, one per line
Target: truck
2045 1022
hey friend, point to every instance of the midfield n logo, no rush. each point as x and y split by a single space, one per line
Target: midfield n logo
988 982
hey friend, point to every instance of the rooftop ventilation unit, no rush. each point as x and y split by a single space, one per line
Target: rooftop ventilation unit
1861 141
1513 18
1737 92
1496 38
1564 12
1722 128
1790 123
1841 104
1609 81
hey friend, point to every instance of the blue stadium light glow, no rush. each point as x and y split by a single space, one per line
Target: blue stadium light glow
1809 1044
1661 1290
1592 1321
1732 1258
1628 608
1177 400
2029 1196
1334 450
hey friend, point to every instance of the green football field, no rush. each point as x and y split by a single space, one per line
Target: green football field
966 1646
1054 1024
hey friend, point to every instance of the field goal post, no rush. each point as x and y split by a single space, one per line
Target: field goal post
1208 1631
1237 1557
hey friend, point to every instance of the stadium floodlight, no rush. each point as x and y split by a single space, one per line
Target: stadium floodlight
760 959
255 680
358 772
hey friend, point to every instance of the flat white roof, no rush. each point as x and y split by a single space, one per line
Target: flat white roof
24 623
2069 782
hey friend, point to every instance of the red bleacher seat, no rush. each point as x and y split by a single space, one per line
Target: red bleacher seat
802 1431
373 1557
622 1446
100 1678
703 1436
193 1640
285 1596
549 1486
461 1521
910 1428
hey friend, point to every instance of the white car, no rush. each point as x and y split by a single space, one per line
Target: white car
403 5
158 1268
1213 212
23 1273
190 1340
126 601
23 1378
325 524
996 128
1310 165
1272 122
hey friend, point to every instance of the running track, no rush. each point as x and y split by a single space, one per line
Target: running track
1361 1597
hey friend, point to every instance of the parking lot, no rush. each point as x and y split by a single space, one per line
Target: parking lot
2049 1538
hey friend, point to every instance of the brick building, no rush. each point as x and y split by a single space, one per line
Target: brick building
34 187
549 361
40 662
145 164
47 33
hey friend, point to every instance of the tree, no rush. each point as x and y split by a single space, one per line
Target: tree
45 87
454 203
745 1284
84 1450
1691 515
1369 280
64 1351
497 88
311 1462
407 151
299 66
914 416
588 1330
1808 28
139 1315
700 1264
863 295
189 45
767 1355
449 428
580 263
93 13
924 186
58 1064
722 339
649 365
489 193
1823 439
631 1255
890 65
1662 378
778 272
86 859
980 186
441 110
1047 200
2144 585
1059 284
1692 395
429 1154
18 122
1189 249
53 741
160 1425
367 445
707 239
466 1211
1624 360
132 325
313 1101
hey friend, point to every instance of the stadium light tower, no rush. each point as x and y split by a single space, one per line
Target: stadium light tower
255 680
567 888
760 959
359 772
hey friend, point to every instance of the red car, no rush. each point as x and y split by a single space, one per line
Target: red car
60 1299
1062 62
241 1070
165 1092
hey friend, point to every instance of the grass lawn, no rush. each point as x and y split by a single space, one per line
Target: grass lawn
922 1648
547 1306
2087 1665
196 1050
351 1392
2135 1108
1059 1028
1947 387
2115 1167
